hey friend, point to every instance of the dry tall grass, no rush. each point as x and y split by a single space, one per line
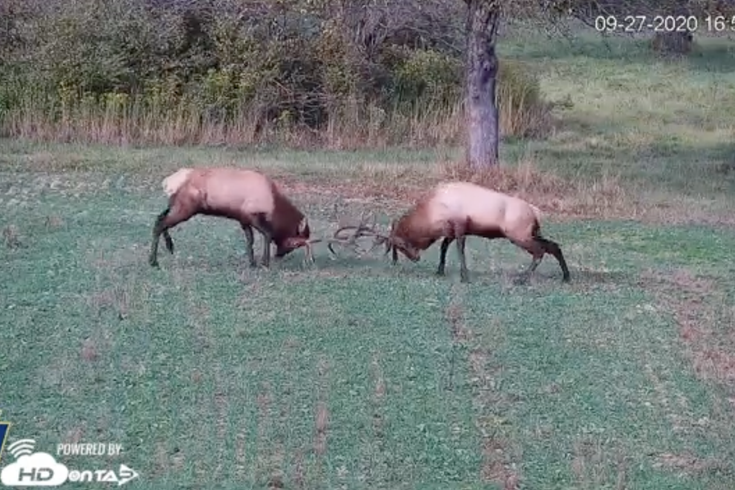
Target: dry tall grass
349 128
120 119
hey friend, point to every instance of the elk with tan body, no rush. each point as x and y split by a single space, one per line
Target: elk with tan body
246 196
455 210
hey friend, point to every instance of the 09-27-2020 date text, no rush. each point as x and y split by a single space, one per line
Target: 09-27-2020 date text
663 23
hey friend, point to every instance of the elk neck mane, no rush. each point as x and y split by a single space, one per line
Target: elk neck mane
286 217
413 225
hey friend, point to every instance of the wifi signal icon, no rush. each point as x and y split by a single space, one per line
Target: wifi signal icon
23 447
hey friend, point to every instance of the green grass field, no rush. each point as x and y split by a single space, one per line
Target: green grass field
351 373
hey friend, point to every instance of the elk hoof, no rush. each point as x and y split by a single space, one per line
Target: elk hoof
521 280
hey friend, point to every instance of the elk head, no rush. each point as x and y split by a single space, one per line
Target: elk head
300 239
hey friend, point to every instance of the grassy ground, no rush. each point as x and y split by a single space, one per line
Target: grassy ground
353 374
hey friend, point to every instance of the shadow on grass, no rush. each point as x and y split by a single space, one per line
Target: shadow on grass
427 269
584 276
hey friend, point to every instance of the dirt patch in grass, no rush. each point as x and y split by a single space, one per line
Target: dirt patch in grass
454 315
12 237
221 406
690 299
199 315
53 221
378 398
269 462
89 350
497 458
688 464
75 434
165 461
240 455
668 406
320 429
298 469
116 298
590 464
321 416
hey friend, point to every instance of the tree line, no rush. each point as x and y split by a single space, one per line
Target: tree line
335 73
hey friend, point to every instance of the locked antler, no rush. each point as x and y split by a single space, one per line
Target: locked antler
350 240
361 230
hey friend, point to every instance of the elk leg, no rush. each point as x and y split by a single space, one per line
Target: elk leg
249 243
464 274
169 218
157 230
554 249
168 241
525 275
395 255
537 250
262 225
443 255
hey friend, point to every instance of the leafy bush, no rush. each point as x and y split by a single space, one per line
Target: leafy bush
523 112
426 77
167 71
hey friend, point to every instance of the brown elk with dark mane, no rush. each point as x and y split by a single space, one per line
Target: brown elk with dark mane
455 210
245 196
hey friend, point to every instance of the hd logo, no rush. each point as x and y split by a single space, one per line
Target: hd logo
29 469
32 469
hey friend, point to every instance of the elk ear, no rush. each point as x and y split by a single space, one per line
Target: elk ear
303 229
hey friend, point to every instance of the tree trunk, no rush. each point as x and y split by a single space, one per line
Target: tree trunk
481 72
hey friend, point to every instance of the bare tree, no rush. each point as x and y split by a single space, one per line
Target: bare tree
482 23
483 17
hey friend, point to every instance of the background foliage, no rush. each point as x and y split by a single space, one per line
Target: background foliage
340 74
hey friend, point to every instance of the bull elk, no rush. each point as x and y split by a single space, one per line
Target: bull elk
455 210
246 196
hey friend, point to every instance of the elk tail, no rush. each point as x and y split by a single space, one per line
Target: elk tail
536 212
173 182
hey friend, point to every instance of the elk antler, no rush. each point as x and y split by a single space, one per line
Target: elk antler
349 241
360 230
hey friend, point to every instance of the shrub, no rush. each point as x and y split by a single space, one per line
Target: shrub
246 72
427 78
523 112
